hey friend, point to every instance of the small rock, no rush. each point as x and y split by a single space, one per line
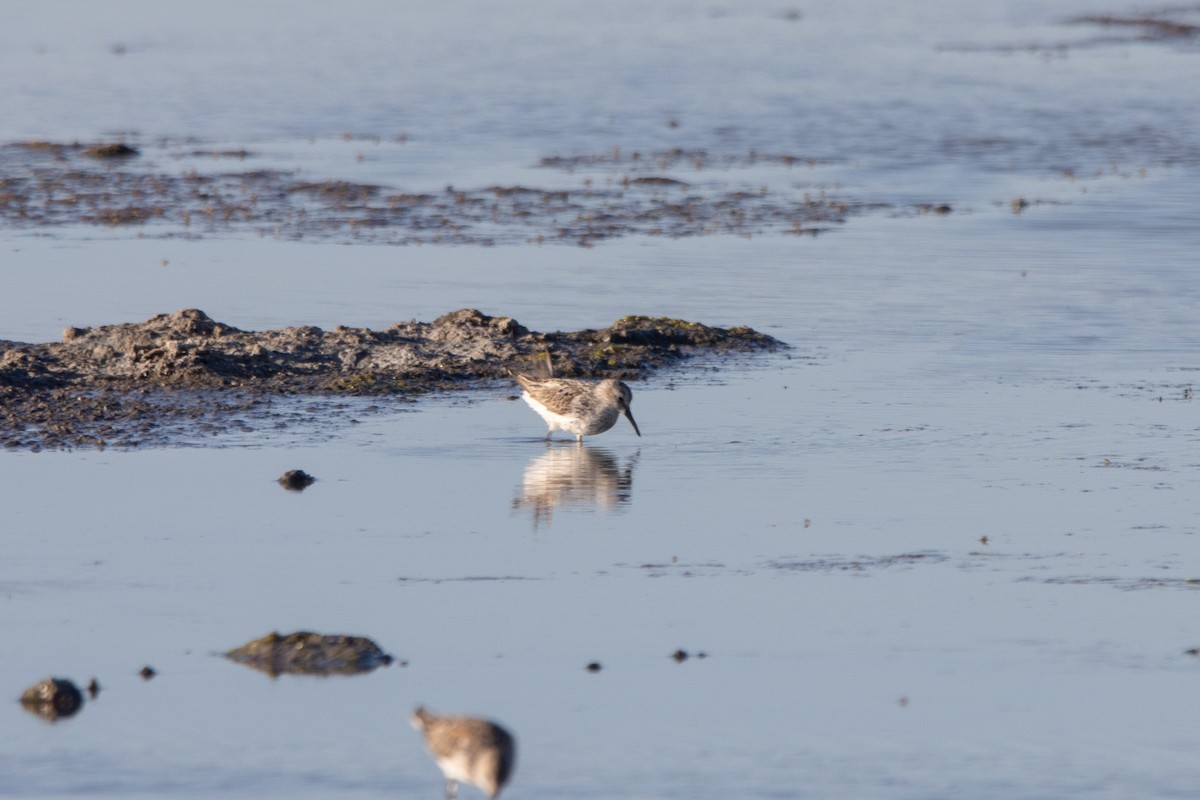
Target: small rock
680 656
594 666
53 698
93 688
147 672
296 480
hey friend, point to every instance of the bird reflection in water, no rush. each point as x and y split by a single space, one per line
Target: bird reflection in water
581 477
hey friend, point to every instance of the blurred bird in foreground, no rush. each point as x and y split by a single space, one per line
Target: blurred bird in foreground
468 749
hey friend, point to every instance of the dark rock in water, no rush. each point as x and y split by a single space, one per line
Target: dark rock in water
93 689
53 698
680 656
296 480
305 653
594 667
147 672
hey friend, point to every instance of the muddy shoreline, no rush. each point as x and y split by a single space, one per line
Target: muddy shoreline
134 384
47 185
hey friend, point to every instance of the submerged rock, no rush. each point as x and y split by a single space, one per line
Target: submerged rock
306 653
296 480
110 150
52 699
113 384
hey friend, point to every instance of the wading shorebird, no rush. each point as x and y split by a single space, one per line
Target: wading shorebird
468 749
583 408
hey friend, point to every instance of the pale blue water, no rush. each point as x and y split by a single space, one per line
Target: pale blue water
810 520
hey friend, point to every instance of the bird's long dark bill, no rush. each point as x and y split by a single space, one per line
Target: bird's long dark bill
629 414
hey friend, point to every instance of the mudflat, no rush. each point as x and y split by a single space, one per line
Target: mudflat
134 383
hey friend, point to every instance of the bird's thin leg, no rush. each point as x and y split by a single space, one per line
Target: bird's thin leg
451 788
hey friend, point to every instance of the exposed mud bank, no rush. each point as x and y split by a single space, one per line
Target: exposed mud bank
132 384
51 184
306 653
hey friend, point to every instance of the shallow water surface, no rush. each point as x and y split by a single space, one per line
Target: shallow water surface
943 546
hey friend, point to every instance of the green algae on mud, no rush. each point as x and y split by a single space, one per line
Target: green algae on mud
136 383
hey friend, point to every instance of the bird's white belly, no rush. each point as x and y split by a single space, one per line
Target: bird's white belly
456 767
556 422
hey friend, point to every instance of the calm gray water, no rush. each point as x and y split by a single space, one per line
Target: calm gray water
945 547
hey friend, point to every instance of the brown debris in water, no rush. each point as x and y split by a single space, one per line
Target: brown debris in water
125 384
306 653
1165 25
52 699
1150 26
112 150
296 480
697 159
